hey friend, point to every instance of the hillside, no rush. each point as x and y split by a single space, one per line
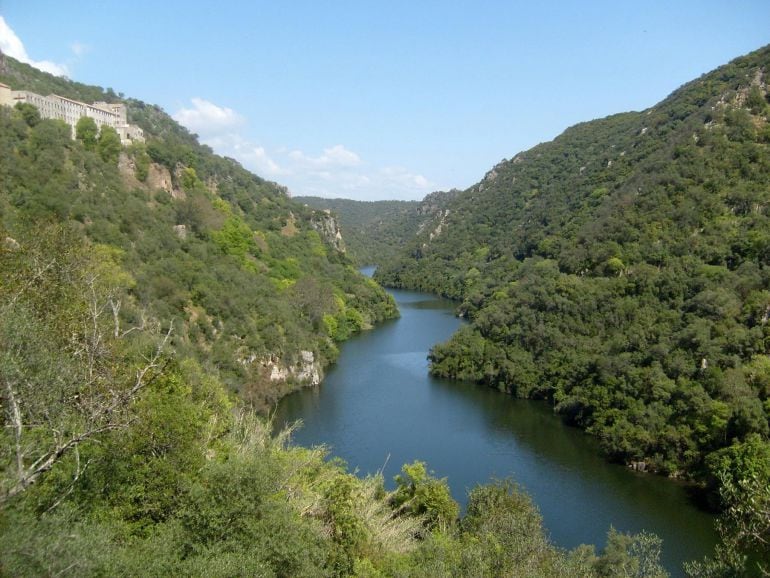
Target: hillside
140 288
622 272
374 231
254 287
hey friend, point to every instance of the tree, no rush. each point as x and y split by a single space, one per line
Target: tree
743 474
68 370
86 131
141 160
108 145
29 113
756 100
631 555
420 493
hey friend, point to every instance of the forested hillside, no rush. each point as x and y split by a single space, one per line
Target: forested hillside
254 290
622 272
139 289
375 231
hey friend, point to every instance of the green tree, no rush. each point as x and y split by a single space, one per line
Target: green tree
628 555
756 100
141 161
65 371
347 528
743 475
87 132
419 493
108 145
29 113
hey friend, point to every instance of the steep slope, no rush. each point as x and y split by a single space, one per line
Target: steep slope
621 271
245 275
130 282
374 231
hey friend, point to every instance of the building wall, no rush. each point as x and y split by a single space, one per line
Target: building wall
6 95
71 111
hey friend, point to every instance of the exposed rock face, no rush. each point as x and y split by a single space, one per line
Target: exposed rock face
432 208
127 169
440 227
306 371
435 202
326 224
159 177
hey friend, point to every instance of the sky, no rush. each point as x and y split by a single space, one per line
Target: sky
389 99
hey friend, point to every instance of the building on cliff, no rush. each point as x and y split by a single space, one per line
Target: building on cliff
71 111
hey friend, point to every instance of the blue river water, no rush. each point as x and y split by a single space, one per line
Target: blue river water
378 408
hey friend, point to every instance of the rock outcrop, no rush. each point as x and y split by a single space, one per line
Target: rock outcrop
305 371
326 224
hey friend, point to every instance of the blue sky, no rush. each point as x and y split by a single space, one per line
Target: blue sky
388 99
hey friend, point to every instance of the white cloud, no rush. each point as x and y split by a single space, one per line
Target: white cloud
208 119
252 156
336 171
257 156
336 156
403 178
12 45
330 175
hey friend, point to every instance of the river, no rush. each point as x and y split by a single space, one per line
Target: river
378 408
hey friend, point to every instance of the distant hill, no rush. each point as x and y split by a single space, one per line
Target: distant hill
253 282
622 271
374 231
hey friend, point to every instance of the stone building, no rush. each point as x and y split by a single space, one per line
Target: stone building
6 95
71 111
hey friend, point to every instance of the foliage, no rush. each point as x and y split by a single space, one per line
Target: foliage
206 241
29 113
742 473
141 160
87 132
621 271
419 493
66 372
184 480
108 145
374 231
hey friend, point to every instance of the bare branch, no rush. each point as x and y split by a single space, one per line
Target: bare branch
75 478
36 277
102 412
17 425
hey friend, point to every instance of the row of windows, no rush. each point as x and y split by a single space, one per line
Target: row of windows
71 112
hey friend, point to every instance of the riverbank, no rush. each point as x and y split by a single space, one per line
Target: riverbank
379 408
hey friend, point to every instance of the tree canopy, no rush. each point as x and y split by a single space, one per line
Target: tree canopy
621 271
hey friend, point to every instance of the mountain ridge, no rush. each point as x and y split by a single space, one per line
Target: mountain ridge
621 272
375 230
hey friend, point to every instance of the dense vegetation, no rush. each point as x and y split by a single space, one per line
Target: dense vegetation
121 457
375 231
141 288
622 271
239 269
137 288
